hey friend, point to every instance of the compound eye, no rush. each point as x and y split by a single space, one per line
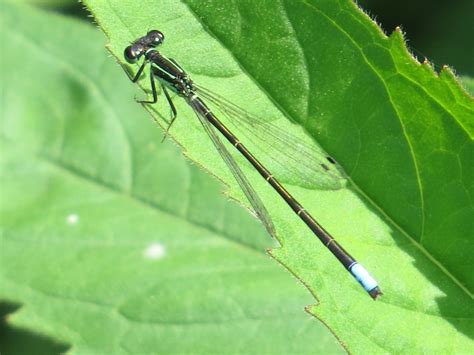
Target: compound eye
156 37
132 53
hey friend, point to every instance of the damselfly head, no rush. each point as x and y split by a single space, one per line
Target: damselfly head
139 47
155 37
134 52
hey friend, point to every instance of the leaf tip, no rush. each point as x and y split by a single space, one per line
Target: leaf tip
398 36
447 72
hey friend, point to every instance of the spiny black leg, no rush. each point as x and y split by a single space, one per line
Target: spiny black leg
139 72
173 110
135 78
153 91
170 102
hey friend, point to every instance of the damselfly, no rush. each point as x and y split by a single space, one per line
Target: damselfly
171 76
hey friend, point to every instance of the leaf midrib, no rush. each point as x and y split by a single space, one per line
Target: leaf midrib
115 309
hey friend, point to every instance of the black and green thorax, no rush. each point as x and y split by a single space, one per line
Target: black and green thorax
170 73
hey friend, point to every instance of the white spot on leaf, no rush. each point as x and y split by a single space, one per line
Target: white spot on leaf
155 251
72 218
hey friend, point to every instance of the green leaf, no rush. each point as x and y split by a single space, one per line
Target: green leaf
110 241
48 3
468 84
403 133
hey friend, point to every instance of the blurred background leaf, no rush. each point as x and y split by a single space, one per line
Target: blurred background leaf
51 4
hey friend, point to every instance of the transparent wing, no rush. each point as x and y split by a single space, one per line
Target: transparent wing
239 176
286 155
